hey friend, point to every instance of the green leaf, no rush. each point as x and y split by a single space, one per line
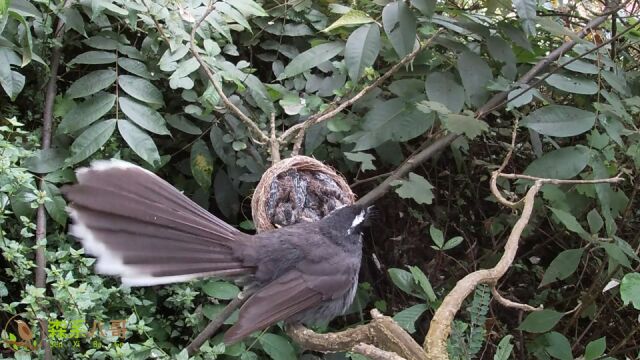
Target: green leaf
201 164
56 207
442 87
558 346
540 321
233 14
361 51
503 352
12 82
560 121
185 68
464 124
595 221
563 163
140 89
277 347
630 289
144 116
46 160
617 82
94 58
579 66
563 266
615 252
86 113
183 124
426 7
365 159
393 119
416 188
399 24
226 195
404 280
311 58
91 83
25 8
437 236
407 317
453 242
569 221
423 282
475 75
220 290
526 10
351 18
91 140
248 7
573 84
139 141
103 43
73 19
596 348
135 67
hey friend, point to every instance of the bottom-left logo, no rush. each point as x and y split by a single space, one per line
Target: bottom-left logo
59 332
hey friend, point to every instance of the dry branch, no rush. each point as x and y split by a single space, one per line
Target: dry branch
512 304
255 130
382 335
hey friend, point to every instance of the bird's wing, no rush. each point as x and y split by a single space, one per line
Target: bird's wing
285 297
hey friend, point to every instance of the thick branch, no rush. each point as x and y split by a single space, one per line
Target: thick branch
382 333
333 111
231 106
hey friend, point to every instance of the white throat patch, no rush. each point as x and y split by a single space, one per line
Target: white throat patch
357 221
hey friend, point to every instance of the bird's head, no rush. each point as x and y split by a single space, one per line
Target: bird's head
348 220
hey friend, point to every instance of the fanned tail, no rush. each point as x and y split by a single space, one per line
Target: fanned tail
145 231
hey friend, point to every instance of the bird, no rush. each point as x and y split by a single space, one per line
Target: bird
147 232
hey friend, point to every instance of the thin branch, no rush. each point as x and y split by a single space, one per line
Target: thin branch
617 178
205 67
216 323
41 215
275 144
333 111
512 304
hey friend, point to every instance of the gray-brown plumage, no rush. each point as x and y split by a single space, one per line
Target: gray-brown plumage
145 231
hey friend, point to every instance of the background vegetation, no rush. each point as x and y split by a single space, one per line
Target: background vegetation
94 79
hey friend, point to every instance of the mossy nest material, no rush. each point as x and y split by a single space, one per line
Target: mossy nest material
298 189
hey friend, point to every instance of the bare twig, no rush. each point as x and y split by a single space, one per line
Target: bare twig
253 127
215 324
275 144
333 111
382 333
512 304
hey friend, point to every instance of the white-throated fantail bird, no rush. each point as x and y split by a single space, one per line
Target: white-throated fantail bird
145 231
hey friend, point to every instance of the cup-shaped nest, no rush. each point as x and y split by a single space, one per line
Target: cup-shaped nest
298 189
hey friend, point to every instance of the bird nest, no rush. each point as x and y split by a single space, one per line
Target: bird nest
298 189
